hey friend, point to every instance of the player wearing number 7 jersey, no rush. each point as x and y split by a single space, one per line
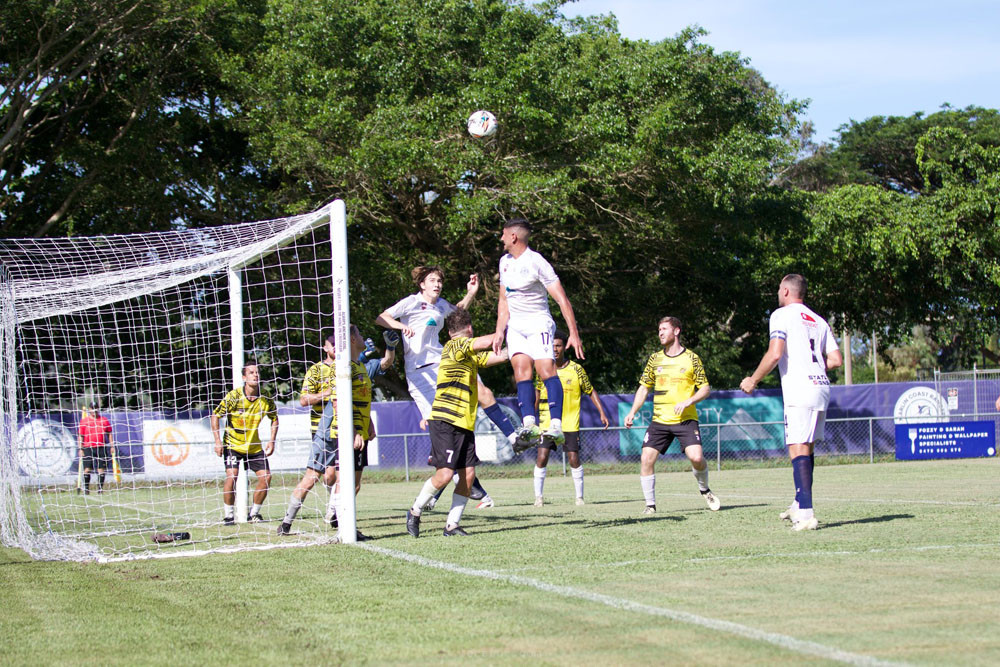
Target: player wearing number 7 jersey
526 282
453 418
803 348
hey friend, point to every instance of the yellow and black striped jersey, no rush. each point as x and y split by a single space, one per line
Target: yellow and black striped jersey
457 395
575 384
361 401
672 380
320 376
243 418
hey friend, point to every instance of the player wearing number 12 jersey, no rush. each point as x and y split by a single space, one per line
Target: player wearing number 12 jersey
803 348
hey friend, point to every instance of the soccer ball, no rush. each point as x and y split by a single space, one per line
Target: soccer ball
482 124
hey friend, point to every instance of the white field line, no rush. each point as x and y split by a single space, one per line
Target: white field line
821 499
562 565
792 644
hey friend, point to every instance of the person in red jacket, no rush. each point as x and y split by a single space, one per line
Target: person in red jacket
94 441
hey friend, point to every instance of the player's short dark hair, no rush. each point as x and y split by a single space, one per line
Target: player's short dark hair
457 320
420 273
560 335
248 365
518 222
671 320
95 405
796 283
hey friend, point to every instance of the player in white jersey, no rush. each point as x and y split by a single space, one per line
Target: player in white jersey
803 348
420 317
523 318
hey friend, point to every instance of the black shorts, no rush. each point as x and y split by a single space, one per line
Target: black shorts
360 457
661 436
572 443
97 458
451 446
256 462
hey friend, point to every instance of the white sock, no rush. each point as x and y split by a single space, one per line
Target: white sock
528 421
457 507
426 493
334 501
649 488
539 480
294 505
255 509
804 515
577 480
228 511
702 477
555 425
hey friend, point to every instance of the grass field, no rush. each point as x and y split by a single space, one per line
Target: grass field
904 569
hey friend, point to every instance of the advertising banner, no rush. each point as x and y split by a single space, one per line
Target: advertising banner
949 440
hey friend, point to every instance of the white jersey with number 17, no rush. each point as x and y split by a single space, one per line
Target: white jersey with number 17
524 281
808 339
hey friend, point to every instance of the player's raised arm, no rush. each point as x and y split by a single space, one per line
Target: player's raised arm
573 342
470 291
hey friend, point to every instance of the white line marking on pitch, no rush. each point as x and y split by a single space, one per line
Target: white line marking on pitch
823 499
783 641
812 554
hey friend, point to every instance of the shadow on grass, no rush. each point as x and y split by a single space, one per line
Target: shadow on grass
870 519
629 521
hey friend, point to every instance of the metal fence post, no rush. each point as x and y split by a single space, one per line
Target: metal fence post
718 447
564 461
871 442
406 457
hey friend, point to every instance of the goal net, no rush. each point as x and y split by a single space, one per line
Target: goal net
150 332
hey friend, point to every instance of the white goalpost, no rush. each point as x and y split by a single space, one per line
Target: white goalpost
150 332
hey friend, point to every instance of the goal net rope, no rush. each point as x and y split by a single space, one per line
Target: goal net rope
150 332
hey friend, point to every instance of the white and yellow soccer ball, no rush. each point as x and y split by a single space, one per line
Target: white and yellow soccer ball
482 124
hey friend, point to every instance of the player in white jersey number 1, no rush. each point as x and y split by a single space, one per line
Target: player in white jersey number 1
523 318
803 348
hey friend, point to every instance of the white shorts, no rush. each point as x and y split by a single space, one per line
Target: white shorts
422 383
533 338
803 425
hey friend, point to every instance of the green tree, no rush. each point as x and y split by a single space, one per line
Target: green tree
114 118
929 258
645 166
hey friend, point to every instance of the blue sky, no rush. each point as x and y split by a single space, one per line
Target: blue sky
853 59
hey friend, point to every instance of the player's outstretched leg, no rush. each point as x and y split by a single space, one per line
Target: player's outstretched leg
427 492
553 436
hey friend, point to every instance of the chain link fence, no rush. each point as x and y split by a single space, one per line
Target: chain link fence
751 443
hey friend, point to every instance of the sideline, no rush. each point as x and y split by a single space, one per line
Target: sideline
783 641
